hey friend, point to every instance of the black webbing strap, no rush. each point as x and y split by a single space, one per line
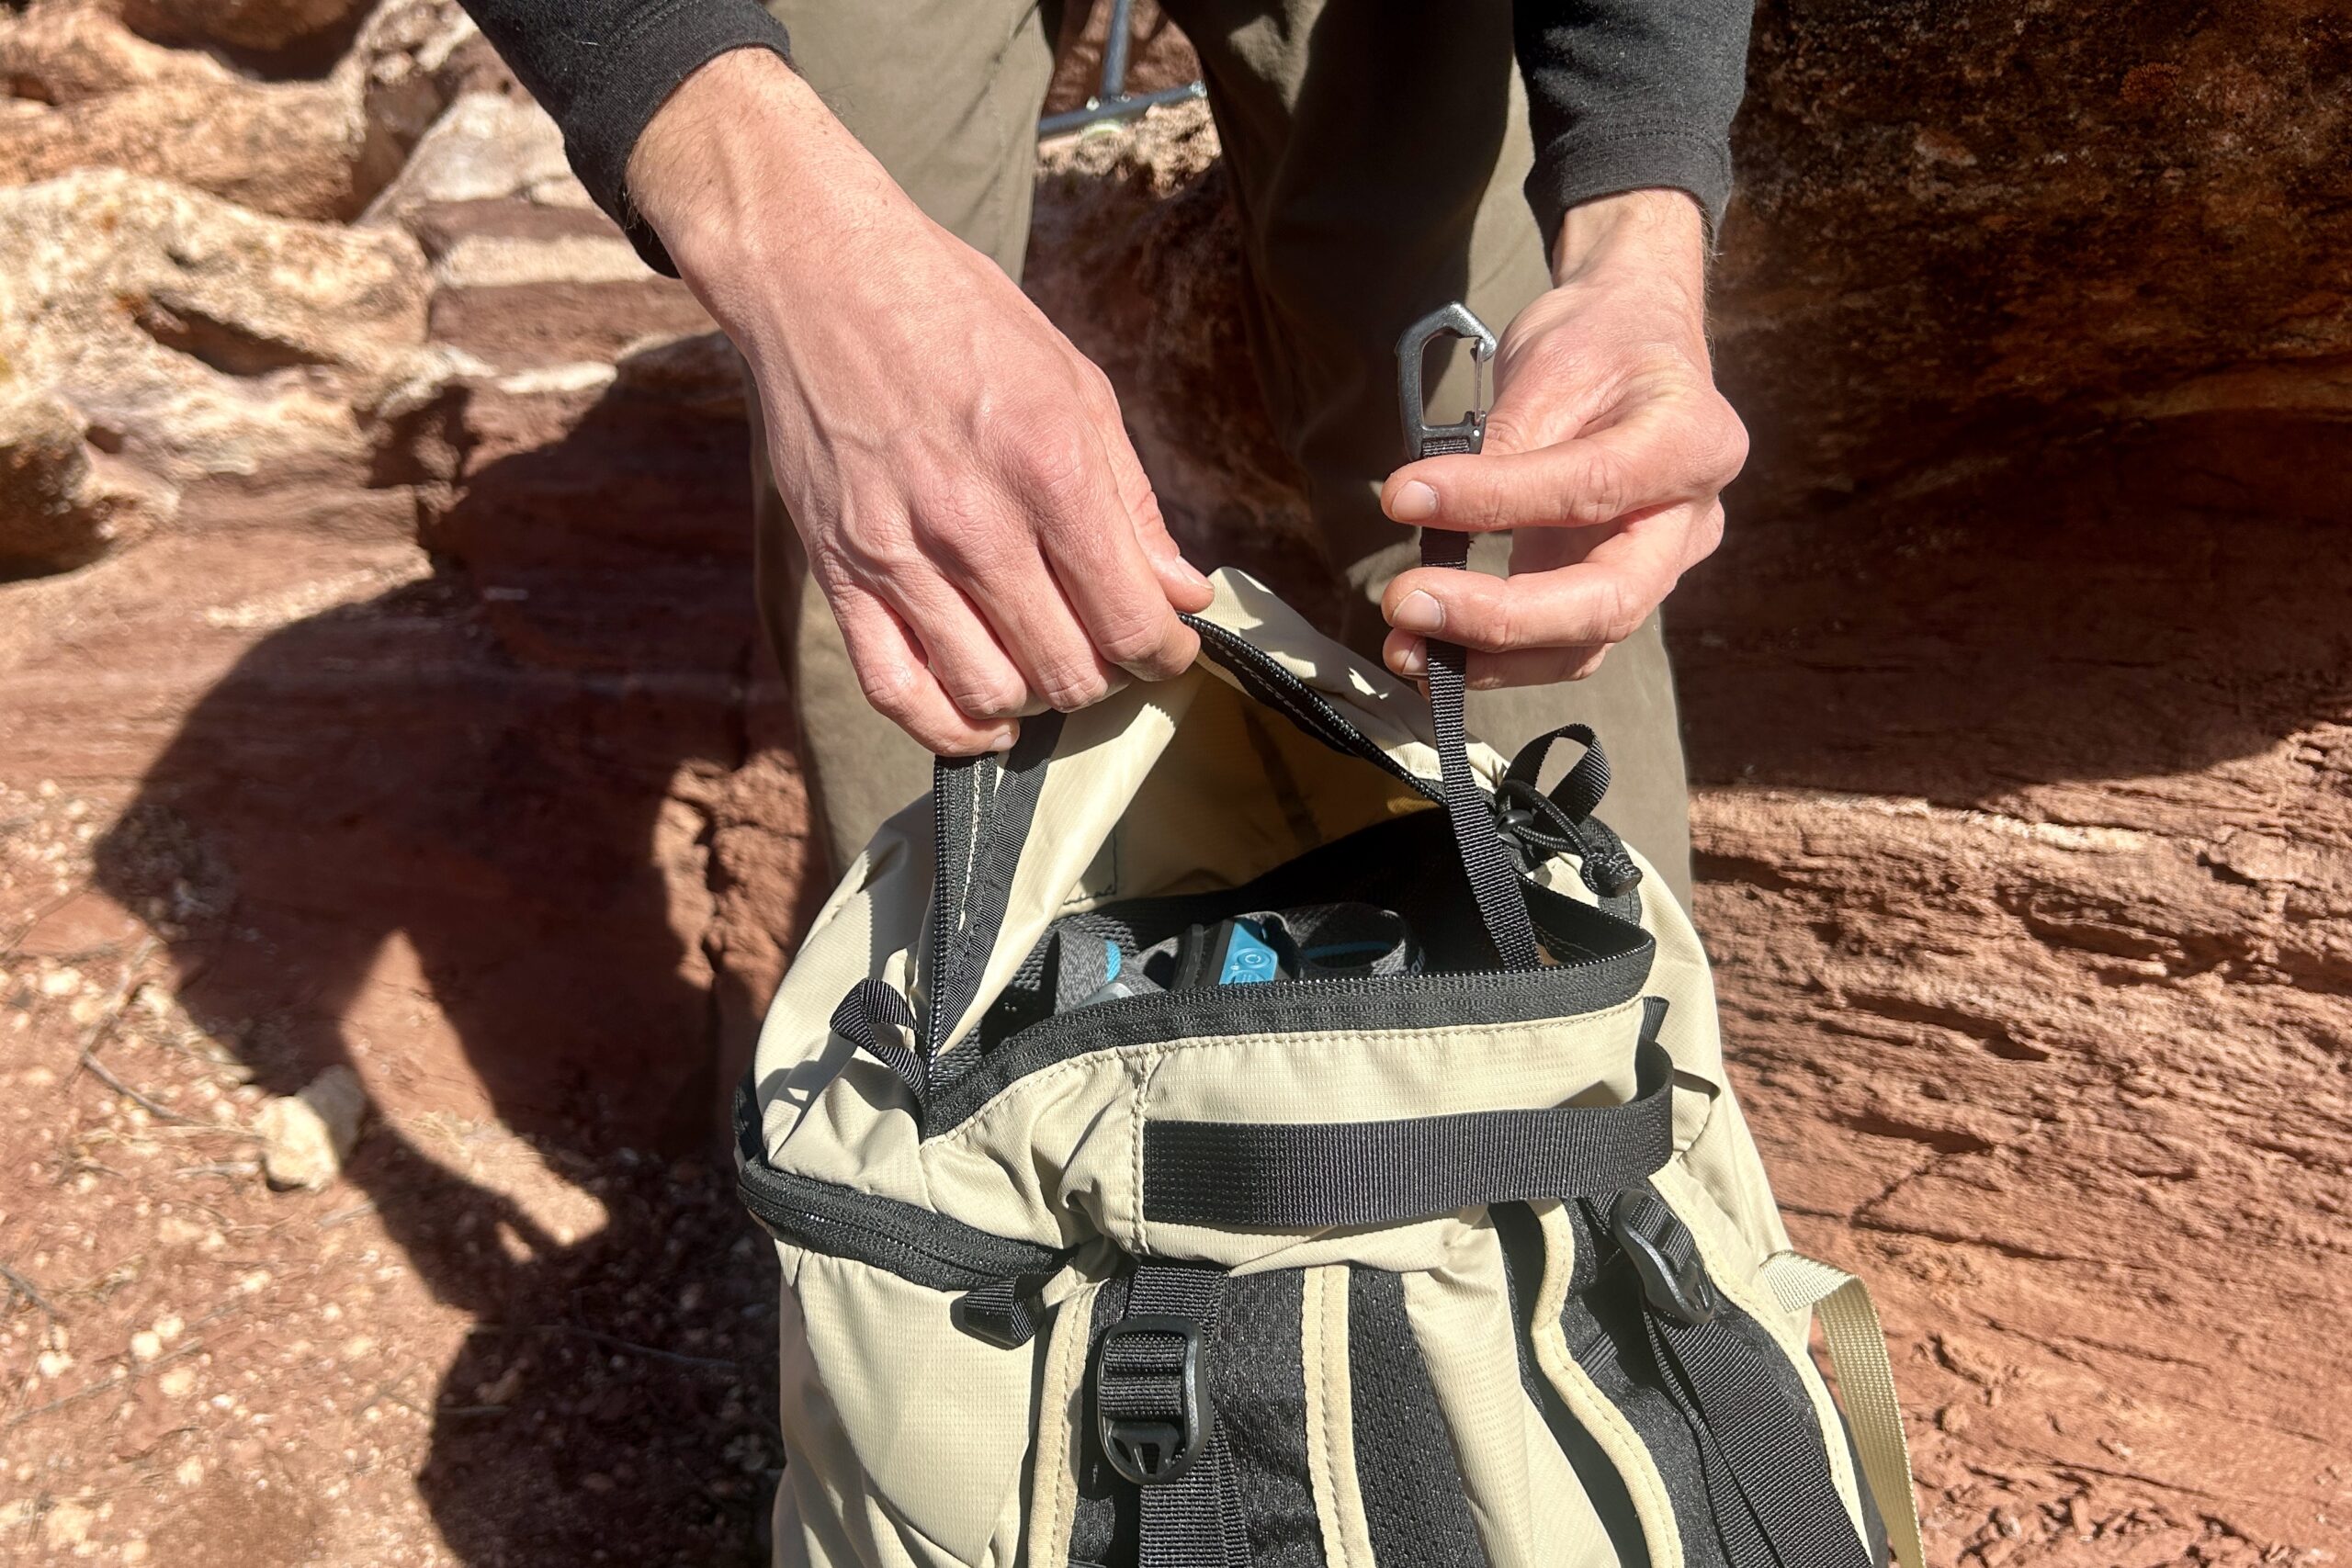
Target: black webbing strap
1579 791
1763 1456
1491 864
1774 1452
982 810
874 1017
1152 1405
1297 1175
1004 1312
1487 859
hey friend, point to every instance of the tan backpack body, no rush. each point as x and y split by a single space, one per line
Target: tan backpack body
1462 1256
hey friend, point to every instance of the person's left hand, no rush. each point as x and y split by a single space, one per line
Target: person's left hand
1605 451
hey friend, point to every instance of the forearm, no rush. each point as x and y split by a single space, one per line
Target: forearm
1630 95
740 140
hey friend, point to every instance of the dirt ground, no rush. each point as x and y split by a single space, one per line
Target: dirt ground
573 1364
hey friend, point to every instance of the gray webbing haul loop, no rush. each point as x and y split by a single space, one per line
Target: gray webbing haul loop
1491 865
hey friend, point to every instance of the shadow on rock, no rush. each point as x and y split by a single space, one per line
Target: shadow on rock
2146 598
472 837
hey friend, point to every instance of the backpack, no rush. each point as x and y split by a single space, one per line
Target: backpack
1251 1124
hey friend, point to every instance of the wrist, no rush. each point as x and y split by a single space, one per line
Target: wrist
1661 232
739 171
1640 245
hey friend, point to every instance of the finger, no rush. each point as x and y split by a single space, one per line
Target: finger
890 671
1603 599
958 647
1532 667
1408 658
1100 566
972 534
1667 454
1039 630
1187 590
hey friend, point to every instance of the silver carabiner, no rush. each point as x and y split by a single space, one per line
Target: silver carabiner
1423 439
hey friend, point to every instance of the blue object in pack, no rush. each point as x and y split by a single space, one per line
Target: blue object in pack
1250 960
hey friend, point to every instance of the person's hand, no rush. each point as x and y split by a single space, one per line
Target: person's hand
1605 451
971 505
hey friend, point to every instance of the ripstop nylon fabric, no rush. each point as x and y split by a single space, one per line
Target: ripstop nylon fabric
1045 1145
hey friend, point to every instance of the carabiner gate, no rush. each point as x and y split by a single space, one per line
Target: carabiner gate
1423 439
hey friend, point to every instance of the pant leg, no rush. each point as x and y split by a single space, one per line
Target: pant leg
946 95
1377 152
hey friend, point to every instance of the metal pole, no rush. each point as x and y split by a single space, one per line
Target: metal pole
1115 102
1115 52
1122 109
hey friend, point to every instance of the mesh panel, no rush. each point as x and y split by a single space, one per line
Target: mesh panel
1261 1394
1406 1468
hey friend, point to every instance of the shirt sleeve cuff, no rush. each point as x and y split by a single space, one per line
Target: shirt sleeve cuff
1593 163
663 45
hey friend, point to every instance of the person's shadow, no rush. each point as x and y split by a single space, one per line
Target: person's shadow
486 809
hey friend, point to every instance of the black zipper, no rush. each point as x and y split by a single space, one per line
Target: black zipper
1309 707
1566 989
914 1242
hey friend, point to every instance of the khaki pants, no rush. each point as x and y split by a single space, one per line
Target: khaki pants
1376 160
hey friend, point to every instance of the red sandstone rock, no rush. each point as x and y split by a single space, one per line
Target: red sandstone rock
1954 227
2017 702
263 24
297 149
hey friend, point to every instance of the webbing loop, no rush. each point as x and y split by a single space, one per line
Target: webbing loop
1865 1383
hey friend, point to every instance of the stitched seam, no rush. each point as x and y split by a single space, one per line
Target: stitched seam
1588 1404
1134 1134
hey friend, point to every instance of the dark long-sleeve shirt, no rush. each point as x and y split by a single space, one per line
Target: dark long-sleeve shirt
1622 94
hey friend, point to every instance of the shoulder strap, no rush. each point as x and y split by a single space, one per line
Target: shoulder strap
1865 1382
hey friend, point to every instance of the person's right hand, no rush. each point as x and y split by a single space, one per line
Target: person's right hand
971 505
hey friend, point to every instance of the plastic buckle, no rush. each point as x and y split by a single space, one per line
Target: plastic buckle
1152 1449
1511 822
1666 1257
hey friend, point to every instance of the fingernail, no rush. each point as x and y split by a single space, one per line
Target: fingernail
1415 502
1412 661
1004 739
1419 612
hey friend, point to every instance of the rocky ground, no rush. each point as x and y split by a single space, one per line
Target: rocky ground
379 692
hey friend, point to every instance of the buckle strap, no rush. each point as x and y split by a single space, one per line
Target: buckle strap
1767 1470
1151 1404
1157 1423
